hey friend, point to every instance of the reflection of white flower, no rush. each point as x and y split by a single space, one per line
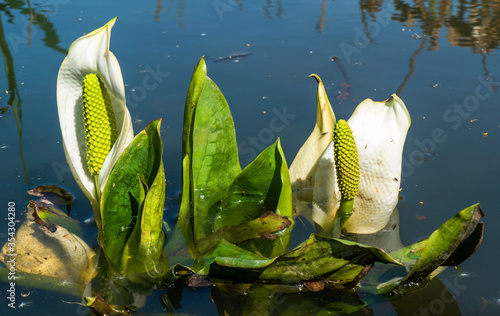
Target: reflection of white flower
90 54
379 129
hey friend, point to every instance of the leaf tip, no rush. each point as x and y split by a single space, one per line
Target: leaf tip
315 76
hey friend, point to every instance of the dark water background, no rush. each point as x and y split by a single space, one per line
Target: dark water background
440 56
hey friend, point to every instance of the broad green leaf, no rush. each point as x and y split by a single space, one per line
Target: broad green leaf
215 160
145 246
228 255
209 143
321 257
450 244
339 263
216 193
186 212
125 198
263 227
263 186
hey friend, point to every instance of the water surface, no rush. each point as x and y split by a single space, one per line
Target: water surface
441 57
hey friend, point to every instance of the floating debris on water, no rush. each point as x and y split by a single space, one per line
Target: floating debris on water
25 304
235 57
90 220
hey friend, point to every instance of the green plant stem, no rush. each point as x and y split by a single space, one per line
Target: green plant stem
334 228
345 211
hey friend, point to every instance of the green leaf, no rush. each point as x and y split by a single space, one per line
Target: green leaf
339 263
263 186
48 214
185 219
209 143
228 255
195 88
216 193
328 258
450 244
262 227
135 188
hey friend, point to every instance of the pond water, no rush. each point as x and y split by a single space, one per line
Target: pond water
441 57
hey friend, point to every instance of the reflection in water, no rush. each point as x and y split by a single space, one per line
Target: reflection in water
369 13
470 24
14 98
412 66
50 40
322 18
473 24
179 12
158 10
269 5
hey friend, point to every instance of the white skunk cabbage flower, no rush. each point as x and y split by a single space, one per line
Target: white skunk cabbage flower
379 129
89 57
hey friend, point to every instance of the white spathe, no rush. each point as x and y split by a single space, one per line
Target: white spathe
379 129
90 54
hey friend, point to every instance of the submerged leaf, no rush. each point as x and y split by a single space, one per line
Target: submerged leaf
46 249
266 299
101 307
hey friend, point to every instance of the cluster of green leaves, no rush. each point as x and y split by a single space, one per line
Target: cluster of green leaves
217 195
132 205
